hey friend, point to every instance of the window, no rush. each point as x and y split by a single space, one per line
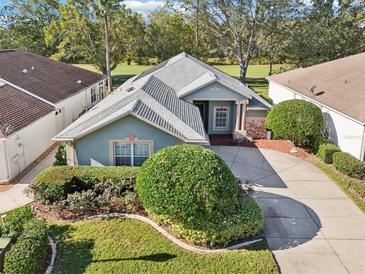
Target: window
93 94
101 90
128 153
221 117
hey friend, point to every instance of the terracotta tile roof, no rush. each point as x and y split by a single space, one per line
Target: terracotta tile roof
51 80
342 80
18 109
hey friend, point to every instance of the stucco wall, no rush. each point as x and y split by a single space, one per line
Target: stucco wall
27 144
93 149
214 91
345 132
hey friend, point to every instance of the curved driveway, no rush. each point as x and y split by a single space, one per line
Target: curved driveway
310 224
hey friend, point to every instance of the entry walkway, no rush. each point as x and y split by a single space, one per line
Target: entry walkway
15 197
310 224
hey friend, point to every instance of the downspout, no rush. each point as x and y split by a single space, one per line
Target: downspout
362 150
6 161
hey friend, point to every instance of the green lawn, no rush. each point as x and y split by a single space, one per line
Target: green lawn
130 246
256 74
352 187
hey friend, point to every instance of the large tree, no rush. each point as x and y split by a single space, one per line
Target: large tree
238 23
95 32
329 30
23 23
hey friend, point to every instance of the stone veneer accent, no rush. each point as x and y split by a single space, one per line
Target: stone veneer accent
255 128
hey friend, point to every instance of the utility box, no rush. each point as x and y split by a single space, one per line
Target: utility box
4 246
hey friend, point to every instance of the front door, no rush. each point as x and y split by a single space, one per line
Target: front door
203 108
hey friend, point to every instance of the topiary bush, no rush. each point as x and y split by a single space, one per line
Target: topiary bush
29 251
53 185
326 151
188 183
191 189
297 120
245 220
348 164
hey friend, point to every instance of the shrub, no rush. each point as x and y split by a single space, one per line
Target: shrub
53 185
348 164
60 157
316 141
326 151
187 183
82 201
297 120
244 221
131 201
14 222
28 253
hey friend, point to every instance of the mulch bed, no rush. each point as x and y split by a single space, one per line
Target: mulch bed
52 213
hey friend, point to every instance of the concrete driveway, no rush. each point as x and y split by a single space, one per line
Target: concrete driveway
310 224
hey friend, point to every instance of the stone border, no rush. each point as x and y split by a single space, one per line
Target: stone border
53 258
172 238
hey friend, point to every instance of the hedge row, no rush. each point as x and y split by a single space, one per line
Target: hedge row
55 183
29 251
326 151
348 164
15 221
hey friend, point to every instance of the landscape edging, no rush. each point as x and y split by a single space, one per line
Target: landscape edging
172 238
53 257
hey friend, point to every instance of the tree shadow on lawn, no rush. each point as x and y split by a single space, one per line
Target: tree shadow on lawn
158 257
80 251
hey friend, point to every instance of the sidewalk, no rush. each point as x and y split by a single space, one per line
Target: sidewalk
15 197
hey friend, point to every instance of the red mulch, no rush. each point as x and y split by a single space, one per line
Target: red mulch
278 145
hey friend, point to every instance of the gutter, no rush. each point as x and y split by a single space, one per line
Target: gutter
362 149
7 179
313 100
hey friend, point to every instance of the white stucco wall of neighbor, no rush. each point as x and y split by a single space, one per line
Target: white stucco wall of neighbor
342 130
21 148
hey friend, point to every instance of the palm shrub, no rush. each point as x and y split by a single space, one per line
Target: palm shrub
297 120
192 189
60 157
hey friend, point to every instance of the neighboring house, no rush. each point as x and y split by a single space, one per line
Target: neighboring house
181 100
338 88
39 97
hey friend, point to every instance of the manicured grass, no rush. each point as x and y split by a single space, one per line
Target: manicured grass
256 74
130 246
352 187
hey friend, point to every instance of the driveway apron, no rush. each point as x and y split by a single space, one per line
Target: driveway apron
310 224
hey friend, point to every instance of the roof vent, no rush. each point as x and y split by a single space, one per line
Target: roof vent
25 71
130 89
79 81
32 67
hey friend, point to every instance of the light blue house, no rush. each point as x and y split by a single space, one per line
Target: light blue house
181 100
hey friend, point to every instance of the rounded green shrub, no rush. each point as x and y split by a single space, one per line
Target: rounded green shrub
326 151
187 183
297 120
245 220
348 164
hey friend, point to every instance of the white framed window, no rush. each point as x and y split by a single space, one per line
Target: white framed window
130 153
221 118
101 90
93 94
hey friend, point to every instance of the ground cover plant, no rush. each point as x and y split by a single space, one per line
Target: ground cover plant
191 189
130 246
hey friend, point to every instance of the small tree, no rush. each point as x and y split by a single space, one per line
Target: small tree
297 120
60 157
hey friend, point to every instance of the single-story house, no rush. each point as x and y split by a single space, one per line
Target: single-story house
338 88
39 97
181 100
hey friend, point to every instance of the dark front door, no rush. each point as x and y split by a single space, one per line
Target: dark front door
204 109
